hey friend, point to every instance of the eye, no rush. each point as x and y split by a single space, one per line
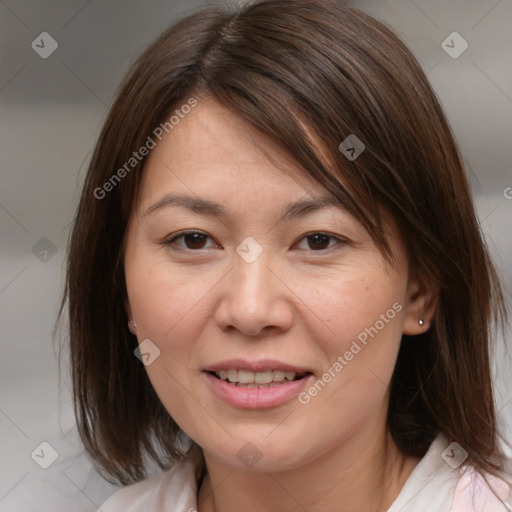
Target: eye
192 239
196 240
321 241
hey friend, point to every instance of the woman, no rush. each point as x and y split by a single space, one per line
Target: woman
277 207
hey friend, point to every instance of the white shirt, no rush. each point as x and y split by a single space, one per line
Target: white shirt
434 485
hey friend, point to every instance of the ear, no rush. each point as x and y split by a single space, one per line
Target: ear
131 324
422 297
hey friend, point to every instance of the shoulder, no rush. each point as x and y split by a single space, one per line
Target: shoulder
437 483
131 497
474 493
175 489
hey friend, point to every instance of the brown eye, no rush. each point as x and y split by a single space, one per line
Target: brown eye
318 241
321 241
193 240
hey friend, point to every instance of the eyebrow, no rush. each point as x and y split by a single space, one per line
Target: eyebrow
209 208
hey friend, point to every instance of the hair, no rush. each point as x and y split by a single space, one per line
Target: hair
282 65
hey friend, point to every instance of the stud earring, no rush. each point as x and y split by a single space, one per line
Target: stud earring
420 321
132 327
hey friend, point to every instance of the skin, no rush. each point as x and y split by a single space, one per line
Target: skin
301 301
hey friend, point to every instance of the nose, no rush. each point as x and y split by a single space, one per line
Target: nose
255 298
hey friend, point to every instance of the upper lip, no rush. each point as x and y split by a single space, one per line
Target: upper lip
255 366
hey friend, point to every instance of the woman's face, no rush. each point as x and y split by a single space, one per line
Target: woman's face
258 284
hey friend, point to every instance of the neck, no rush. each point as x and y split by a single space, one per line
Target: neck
364 473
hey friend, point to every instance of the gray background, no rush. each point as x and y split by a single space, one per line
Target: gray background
51 111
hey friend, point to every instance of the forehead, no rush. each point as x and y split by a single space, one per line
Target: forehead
211 148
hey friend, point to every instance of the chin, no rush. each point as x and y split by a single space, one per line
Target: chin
261 454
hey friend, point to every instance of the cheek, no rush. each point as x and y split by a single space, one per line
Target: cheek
352 303
355 320
163 298
360 333
169 308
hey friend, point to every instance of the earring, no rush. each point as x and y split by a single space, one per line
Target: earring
420 321
132 327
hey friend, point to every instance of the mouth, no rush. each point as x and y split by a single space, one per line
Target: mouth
265 379
261 384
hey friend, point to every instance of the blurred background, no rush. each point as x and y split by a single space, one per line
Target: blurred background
60 65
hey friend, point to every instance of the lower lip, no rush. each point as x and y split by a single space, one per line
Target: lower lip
256 398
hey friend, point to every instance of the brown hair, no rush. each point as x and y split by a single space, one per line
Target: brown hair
280 63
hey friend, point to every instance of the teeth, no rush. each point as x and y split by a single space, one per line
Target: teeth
261 377
244 377
254 385
278 375
247 377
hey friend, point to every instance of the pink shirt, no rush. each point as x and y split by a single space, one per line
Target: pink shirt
433 486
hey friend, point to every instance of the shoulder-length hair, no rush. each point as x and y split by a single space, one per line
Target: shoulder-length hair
280 65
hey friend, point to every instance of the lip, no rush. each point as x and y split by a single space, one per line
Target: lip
256 398
255 366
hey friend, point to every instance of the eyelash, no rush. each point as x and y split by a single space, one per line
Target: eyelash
169 242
